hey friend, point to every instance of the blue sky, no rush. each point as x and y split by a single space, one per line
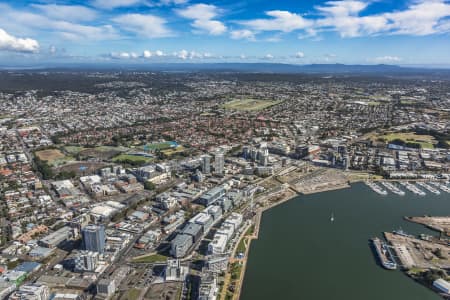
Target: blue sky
405 32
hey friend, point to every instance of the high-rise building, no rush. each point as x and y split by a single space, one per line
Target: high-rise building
219 161
94 238
263 156
206 164
245 152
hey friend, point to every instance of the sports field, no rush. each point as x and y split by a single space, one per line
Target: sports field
250 104
131 157
426 141
54 157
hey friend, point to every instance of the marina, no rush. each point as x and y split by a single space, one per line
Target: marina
393 188
429 188
441 186
376 188
413 188
289 261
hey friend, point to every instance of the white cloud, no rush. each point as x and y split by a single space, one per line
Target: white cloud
11 43
426 17
242 34
110 4
342 16
268 56
212 27
299 54
203 15
199 11
123 55
67 12
144 25
387 59
29 22
281 21
147 54
184 54
420 18
155 55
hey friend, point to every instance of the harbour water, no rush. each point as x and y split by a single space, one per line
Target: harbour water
301 254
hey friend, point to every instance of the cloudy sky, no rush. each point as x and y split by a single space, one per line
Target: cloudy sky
406 32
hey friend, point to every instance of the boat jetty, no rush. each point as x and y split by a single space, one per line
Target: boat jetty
441 186
429 188
413 188
402 233
393 188
376 188
384 254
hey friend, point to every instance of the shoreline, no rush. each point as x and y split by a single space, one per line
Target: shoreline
257 223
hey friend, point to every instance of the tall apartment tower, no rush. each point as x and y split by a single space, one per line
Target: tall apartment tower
206 164
94 238
219 161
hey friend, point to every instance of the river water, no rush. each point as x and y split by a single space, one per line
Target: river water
301 254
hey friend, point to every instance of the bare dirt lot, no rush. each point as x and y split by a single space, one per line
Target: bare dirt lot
50 155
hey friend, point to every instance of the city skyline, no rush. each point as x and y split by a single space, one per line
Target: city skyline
161 31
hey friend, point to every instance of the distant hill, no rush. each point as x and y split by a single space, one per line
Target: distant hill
381 69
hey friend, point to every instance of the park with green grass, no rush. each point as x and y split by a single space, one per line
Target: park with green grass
249 104
150 258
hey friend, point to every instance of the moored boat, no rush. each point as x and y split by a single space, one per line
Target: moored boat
429 188
376 188
384 254
393 188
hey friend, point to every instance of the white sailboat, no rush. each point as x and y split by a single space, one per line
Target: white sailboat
332 217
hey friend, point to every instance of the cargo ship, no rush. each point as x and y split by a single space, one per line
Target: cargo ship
384 254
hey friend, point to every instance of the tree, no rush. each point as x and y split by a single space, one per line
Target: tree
149 186
43 168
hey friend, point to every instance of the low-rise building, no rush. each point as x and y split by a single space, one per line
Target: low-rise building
106 287
180 245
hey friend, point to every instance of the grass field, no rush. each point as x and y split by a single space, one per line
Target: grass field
425 141
130 157
407 102
250 104
74 149
172 151
159 146
111 148
131 294
152 258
